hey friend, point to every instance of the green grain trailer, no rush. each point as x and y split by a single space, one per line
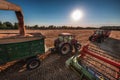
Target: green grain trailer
26 48
22 46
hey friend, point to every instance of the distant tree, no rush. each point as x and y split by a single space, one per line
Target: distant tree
64 27
51 26
42 27
0 24
4 26
110 27
15 25
36 27
27 27
8 25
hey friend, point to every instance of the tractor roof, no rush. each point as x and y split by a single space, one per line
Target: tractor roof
65 34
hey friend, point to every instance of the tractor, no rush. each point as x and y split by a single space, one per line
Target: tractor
99 36
66 43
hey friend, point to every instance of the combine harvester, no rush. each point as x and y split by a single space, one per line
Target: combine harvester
94 63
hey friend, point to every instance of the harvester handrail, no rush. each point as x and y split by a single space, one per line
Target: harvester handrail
102 51
87 62
101 63
111 62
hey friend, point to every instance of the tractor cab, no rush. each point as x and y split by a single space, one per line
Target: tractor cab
65 37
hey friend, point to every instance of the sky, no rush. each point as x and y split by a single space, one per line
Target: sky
96 13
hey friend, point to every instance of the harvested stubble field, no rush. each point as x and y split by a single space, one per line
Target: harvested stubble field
51 35
53 67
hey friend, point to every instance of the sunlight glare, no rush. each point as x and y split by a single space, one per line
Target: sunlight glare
76 15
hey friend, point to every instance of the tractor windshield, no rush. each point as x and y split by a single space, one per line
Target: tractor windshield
65 38
60 38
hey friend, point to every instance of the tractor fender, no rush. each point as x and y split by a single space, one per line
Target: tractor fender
60 45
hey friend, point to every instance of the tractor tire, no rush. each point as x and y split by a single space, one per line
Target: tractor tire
90 38
65 49
78 47
33 63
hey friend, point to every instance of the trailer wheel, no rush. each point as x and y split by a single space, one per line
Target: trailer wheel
65 49
33 63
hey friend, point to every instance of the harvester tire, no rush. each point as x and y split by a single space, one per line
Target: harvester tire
65 49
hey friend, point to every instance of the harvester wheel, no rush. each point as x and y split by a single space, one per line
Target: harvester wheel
65 49
33 63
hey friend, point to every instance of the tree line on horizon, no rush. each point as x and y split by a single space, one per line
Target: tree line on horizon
9 25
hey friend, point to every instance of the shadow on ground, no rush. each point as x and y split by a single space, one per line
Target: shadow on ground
52 68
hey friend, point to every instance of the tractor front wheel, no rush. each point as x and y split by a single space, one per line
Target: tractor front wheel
65 49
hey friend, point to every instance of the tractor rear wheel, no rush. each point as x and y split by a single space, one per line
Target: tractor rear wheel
78 47
90 38
65 49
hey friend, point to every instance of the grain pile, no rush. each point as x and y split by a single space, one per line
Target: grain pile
15 38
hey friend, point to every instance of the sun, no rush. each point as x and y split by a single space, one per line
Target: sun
77 15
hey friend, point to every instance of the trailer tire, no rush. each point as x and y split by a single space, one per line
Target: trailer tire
65 49
33 63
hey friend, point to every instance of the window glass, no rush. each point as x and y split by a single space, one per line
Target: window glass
60 38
